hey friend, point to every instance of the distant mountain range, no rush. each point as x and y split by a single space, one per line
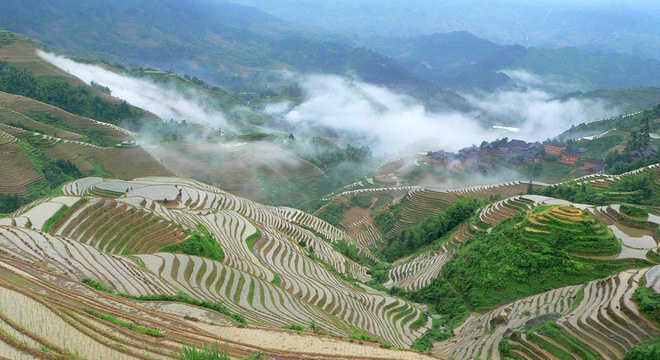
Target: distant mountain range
463 60
631 27
239 47
225 43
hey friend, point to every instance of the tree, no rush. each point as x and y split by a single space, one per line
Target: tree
644 133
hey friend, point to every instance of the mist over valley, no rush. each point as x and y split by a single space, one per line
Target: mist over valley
316 179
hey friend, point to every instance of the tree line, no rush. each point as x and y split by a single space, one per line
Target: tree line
77 99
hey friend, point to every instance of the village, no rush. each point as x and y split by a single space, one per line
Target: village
519 153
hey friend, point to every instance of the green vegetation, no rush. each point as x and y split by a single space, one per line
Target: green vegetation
360 201
8 38
582 194
56 91
441 299
648 351
333 213
204 353
358 335
351 252
253 238
552 331
648 301
429 230
524 258
379 273
386 219
199 244
54 172
49 223
179 297
10 202
634 211
296 327
129 325
208 352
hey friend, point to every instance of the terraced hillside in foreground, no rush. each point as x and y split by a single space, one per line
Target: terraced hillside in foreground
595 320
51 316
272 271
277 268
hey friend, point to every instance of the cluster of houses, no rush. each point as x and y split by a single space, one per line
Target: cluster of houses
515 152
643 154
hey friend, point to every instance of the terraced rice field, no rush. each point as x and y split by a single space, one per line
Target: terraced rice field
414 273
635 242
116 227
229 173
68 319
495 213
17 173
14 118
396 163
129 163
267 274
23 55
564 216
76 152
421 204
599 317
79 261
505 189
26 106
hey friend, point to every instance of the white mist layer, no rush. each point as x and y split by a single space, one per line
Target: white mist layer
165 103
389 121
395 120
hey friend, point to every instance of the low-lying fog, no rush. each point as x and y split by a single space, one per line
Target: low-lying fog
164 102
387 120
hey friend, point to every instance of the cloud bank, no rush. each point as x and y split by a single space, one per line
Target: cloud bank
164 102
393 120
370 115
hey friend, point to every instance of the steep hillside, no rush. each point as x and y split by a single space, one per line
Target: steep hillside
177 246
71 320
254 273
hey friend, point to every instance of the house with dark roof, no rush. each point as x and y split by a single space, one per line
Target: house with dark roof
531 156
555 147
485 162
569 157
589 163
438 158
596 169
493 153
646 153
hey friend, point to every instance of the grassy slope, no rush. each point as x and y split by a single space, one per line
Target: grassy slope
520 262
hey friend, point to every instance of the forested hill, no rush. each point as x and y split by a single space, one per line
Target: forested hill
224 43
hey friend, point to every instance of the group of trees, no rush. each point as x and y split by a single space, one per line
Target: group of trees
583 193
77 99
428 230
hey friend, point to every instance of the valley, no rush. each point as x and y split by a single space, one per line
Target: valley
251 188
